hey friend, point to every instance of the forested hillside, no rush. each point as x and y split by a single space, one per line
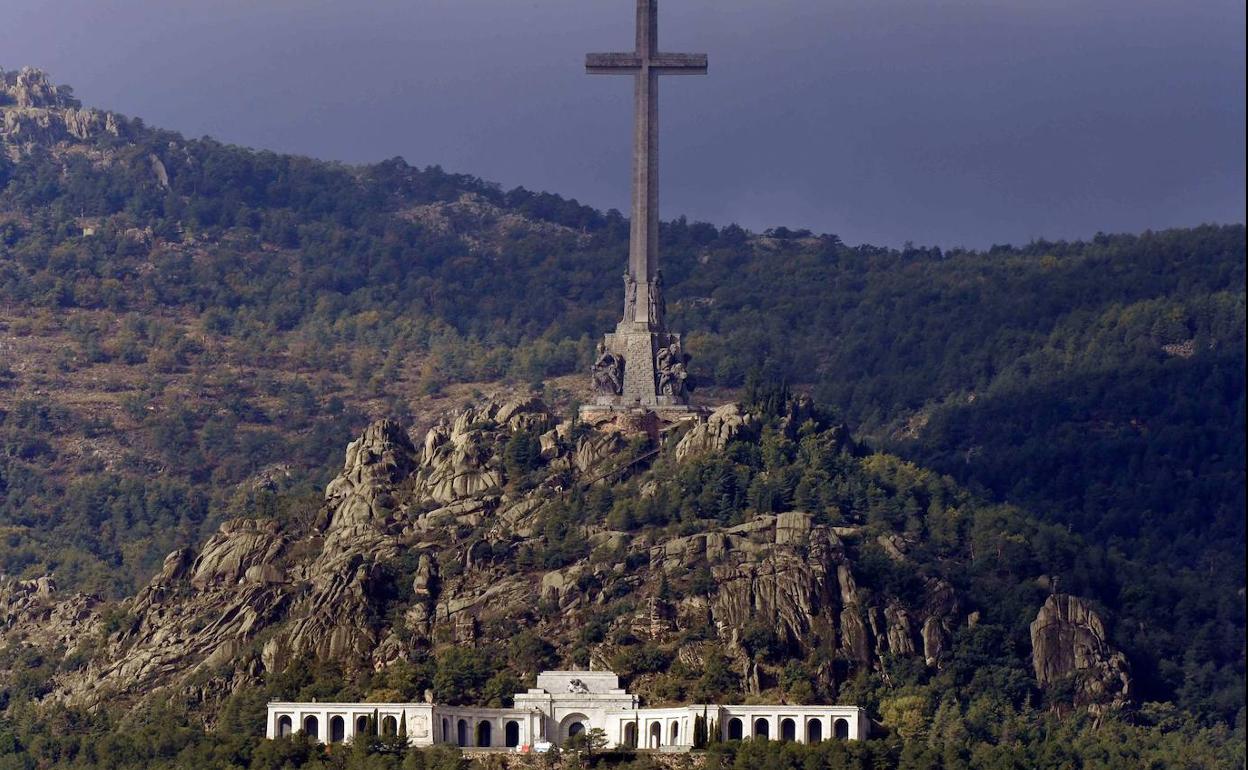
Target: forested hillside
191 331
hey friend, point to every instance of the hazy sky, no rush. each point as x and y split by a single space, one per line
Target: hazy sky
945 122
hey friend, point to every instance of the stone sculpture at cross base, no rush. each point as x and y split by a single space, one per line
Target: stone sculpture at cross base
641 365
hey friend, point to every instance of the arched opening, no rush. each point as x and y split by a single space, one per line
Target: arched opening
483 734
461 733
656 735
788 729
674 732
736 731
572 724
762 730
511 734
284 727
446 731
814 731
311 726
389 726
630 735
361 725
337 730
841 729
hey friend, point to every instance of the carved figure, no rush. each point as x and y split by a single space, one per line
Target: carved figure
577 686
630 297
666 356
658 302
608 372
673 377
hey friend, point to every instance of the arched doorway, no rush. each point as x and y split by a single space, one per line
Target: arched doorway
389 726
674 733
814 731
788 729
572 724
483 734
337 730
762 730
311 727
461 733
841 729
736 731
361 725
630 735
284 727
656 735
511 734
446 730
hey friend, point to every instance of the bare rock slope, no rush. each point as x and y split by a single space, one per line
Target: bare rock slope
415 546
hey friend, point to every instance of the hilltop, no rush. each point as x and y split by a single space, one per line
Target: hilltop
191 331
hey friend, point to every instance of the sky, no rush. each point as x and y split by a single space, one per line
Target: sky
938 122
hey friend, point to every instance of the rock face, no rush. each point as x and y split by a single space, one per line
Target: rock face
727 423
31 88
1068 641
33 109
241 550
420 543
795 577
378 460
50 620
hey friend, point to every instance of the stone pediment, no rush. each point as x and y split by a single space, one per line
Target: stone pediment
579 682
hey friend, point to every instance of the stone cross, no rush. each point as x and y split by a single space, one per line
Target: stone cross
645 64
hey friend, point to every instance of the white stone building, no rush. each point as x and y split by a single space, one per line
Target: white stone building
563 704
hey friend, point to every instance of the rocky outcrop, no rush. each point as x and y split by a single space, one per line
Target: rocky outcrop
855 641
198 613
241 550
795 577
421 544
727 423
41 616
900 631
460 461
36 110
30 87
1069 643
375 463
596 451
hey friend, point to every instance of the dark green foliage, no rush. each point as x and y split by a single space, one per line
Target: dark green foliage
521 454
529 653
461 676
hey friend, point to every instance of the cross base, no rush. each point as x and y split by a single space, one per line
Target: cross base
648 356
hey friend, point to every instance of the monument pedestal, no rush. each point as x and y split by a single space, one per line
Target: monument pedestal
652 377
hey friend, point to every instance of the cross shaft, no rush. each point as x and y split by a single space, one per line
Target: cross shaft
645 64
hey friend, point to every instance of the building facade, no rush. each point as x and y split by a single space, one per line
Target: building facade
563 704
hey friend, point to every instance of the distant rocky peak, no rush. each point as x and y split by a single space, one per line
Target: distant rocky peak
31 87
34 111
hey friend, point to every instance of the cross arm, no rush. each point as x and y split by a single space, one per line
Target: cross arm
630 63
612 63
679 63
